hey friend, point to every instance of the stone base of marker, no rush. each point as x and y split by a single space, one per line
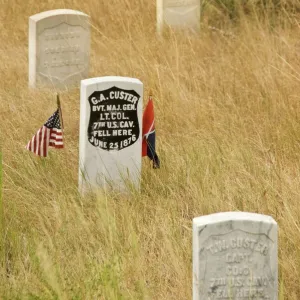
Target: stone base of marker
59 48
235 257
110 133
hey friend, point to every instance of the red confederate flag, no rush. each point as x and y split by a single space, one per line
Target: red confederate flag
50 135
148 145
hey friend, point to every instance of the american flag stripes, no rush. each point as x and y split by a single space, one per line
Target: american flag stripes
50 135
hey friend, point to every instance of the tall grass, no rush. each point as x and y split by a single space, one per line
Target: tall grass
227 117
2 255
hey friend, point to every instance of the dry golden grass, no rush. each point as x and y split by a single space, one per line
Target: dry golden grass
228 130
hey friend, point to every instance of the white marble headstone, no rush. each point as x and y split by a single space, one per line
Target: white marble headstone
182 14
110 141
235 257
59 48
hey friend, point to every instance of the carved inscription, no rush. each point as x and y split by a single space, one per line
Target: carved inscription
237 267
61 51
113 121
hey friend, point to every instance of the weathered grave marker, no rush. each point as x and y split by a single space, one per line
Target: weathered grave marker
184 14
235 257
110 132
59 47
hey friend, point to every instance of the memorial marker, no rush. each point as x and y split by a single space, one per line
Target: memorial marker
235 257
59 47
182 14
110 132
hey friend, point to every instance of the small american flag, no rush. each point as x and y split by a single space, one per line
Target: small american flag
50 135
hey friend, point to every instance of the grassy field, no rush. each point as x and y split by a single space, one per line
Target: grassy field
227 107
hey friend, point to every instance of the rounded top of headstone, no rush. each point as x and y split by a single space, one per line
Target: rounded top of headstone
96 80
232 216
56 12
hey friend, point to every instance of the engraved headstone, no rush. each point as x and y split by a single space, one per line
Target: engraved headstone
59 47
235 257
110 132
183 14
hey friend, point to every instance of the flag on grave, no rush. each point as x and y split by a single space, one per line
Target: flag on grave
49 135
148 145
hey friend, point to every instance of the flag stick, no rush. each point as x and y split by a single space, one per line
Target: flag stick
58 100
60 114
60 111
155 159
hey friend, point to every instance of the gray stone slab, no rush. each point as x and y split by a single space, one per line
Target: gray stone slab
110 143
235 257
59 48
178 14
